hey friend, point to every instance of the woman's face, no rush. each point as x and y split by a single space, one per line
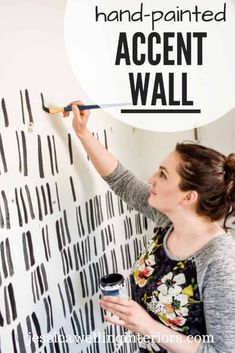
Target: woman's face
165 194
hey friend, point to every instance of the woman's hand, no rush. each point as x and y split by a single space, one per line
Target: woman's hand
80 118
130 314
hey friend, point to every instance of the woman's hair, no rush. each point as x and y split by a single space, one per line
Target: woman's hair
212 175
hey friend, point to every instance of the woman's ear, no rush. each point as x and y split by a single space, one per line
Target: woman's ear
190 198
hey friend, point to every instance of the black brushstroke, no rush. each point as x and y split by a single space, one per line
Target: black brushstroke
55 156
44 276
44 200
87 218
62 300
9 258
70 149
49 198
105 139
21 339
39 205
40 280
4 110
6 208
68 295
81 320
14 341
70 259
48 244
92 215
67 227
57 196
47 314
19 154
40 160
28 105
33 289
75 255
37 327
87 319
62 232
24 146
1 218
29 202
18 209
2 153
81 222
50 154
24 207
78 225
82 284
72 188
22 107
95 246
91 280
12 301
71 290
58 235
4 265
25 252
30 333
51 312
79 254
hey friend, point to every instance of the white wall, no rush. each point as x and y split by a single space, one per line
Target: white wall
33 57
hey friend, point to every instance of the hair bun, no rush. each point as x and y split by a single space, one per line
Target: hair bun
230 176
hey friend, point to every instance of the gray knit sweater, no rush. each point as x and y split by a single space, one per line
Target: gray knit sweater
215 265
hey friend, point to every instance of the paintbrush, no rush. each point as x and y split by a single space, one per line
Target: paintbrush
68 108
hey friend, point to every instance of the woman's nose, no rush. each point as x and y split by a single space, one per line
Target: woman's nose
151 180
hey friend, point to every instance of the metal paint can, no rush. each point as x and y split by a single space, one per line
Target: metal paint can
114 285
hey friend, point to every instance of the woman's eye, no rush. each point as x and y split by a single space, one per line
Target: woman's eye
162 175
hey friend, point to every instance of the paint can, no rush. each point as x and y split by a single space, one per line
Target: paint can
114 285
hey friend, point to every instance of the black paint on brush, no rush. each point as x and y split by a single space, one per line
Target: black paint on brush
40 160
22 107
28 105
4 110
2 153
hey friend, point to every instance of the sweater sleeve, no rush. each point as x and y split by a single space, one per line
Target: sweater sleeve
134 192
218 294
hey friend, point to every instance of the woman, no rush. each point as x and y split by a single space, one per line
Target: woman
183 284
